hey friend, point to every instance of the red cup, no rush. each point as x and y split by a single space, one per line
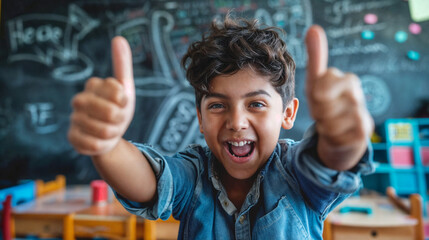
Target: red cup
99 192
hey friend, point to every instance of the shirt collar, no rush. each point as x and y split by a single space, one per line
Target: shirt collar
252 196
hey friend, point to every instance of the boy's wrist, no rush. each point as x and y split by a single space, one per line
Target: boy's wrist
108 153
340 158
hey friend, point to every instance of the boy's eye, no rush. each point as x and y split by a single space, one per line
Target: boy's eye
215 106
256 105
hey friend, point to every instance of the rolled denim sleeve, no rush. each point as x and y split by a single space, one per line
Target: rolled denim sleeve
308 164
162 206
323 187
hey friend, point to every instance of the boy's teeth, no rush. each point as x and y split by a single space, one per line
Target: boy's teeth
240 148
239 144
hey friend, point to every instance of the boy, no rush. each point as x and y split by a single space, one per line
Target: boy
246 183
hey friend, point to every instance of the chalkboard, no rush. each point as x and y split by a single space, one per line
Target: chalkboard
49 48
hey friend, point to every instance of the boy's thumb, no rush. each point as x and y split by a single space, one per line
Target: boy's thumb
317 49
123 64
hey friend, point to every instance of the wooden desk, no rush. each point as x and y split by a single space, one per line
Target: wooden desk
51 214
110 221
69 213
385 223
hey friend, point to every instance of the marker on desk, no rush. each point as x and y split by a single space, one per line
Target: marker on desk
347 209
99 192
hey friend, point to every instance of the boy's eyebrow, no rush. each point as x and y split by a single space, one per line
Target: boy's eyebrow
255 93
215 95
249 94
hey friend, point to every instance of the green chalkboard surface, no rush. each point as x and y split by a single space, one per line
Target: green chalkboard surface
49 48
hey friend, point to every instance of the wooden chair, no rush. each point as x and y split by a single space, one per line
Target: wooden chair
414 209
158 229
43 188
109 221
62 223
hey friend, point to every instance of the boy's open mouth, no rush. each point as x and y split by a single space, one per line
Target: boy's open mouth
241 149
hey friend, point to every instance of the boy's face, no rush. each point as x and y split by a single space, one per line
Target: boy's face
241 120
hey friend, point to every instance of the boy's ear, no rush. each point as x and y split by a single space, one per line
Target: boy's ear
200 120
290 114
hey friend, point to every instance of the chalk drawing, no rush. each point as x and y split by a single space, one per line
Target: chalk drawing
349 30
377 94
42 117
176 124
342 9
163 47
53 40
147 82
343 48
295 17
136 31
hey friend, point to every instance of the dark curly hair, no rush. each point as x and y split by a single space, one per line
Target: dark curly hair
237 44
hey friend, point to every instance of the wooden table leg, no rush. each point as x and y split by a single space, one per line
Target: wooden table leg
68 227
131 227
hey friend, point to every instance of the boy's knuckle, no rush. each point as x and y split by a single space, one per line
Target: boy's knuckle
95 146
353 99
110 116
113 83
333 73
351 76
116 96
77 100
106 133
113 115
92 83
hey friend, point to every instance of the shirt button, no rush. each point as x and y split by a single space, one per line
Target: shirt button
225 203
242 218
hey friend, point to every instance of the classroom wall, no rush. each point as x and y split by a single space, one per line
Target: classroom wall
49 48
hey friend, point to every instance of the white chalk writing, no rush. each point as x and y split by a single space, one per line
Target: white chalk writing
42 117
340 9
44 38
356 47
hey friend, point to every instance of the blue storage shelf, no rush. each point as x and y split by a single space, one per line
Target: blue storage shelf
408 179
383 168
379 146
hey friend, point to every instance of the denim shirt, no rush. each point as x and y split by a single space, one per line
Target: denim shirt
291 196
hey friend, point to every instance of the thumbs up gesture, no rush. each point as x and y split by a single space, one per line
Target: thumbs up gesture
104 110
337 104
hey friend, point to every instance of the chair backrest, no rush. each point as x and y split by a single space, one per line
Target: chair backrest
160 229
414 210
43 188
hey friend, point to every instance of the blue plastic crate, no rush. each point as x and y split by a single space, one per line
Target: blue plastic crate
25 191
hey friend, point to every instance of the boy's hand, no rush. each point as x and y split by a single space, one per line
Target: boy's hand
104 110
337 104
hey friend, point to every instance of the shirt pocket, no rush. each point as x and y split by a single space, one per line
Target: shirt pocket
281 223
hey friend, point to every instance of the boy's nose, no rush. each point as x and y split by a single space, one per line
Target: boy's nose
237 121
